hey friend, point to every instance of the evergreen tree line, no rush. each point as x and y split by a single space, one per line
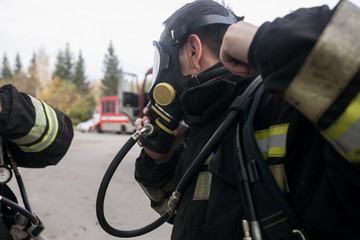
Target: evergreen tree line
68 89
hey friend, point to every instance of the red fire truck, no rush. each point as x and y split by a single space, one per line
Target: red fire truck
118 113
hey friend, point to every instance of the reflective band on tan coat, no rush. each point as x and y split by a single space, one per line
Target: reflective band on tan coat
45 116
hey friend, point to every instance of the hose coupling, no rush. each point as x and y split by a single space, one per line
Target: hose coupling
147 129
173 201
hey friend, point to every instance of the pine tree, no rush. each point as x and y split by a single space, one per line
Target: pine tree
111 73
6 73
34 75
18 65
59 66
79 78
68 63
33 65
64 65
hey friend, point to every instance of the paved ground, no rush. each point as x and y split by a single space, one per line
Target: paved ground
64 196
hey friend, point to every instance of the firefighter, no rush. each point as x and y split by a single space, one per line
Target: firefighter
306 125
36 135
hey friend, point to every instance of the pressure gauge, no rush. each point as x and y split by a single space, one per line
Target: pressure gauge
5 174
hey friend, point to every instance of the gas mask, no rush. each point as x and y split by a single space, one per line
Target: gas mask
169 83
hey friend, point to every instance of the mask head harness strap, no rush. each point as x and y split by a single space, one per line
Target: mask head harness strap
180 34
169 82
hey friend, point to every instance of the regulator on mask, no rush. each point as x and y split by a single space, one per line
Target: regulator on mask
169 83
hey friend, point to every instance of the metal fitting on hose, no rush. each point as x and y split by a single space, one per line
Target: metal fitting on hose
173 201
147 129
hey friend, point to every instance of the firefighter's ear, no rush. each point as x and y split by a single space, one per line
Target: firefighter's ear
195 51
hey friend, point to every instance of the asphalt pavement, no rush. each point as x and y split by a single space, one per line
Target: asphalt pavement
64 196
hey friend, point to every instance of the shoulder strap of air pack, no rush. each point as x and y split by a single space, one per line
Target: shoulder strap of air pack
276 217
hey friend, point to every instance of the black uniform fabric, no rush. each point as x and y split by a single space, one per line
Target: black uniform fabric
324 188
16 120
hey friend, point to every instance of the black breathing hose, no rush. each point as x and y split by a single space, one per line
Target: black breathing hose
104 185
13 205
193 169
189 174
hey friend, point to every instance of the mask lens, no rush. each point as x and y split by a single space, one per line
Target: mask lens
156 64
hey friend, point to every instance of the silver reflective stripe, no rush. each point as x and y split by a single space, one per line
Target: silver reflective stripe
263 145
49 136
349 141
39 127
272 141
343 134
277 141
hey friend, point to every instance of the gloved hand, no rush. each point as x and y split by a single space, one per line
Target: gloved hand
22 229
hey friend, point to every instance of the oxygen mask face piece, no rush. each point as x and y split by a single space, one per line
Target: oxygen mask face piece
169 83
164 95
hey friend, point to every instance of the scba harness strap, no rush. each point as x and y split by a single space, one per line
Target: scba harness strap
271 216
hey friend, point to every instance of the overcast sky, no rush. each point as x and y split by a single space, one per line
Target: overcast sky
87 25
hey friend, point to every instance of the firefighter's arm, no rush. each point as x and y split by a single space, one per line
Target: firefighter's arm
157 180
38 135
311 58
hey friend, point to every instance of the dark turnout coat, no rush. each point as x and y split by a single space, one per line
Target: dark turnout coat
306 128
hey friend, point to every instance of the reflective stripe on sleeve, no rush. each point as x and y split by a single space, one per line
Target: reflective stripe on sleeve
344 133
50 135
39 127
330 66
262 139
277 140
272 141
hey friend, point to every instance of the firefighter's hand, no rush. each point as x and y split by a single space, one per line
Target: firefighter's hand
159 157
235 47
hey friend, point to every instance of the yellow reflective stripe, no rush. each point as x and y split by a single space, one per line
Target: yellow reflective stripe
264 155
163 127
344 133
39 126
49 136
350 116
272 141
262 139
208 159
279 129
262 134
353 156
277 140
330 66
277 152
